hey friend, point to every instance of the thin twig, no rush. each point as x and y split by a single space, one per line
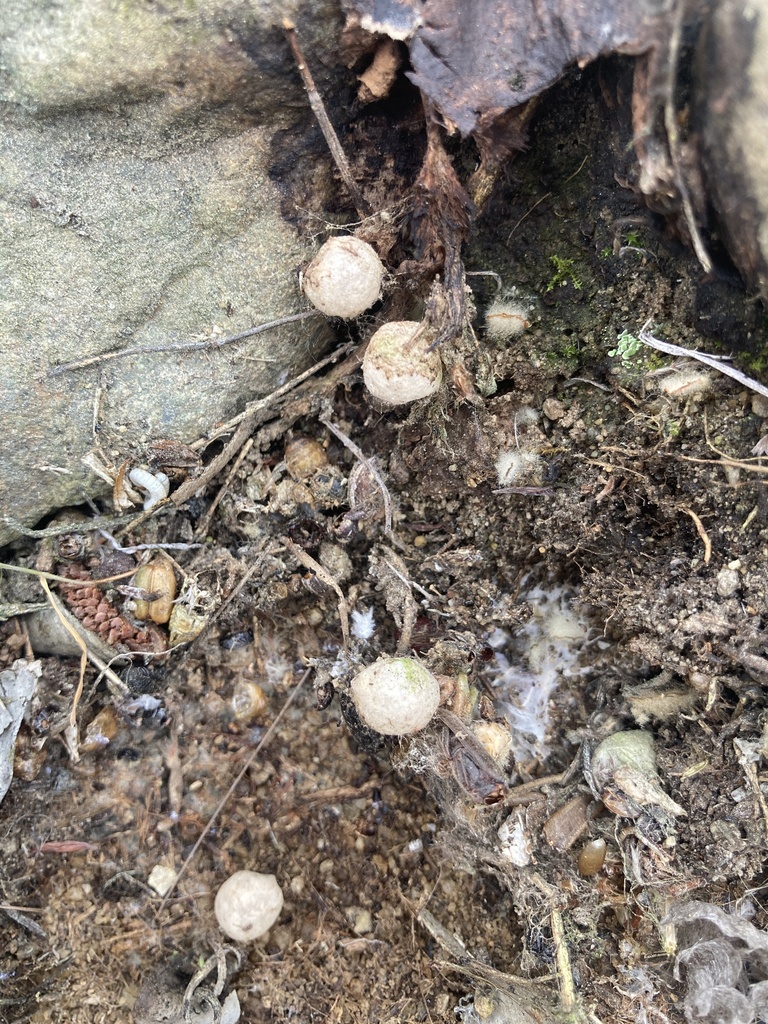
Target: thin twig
229 426
64 579
562 961
205 522
181 346
238 778
701 532
77 526
329 132
115 684
322 574
702 357
83 663
369 465
190 487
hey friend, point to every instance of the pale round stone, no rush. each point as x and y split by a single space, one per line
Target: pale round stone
247 905
398 366
396 696
344 279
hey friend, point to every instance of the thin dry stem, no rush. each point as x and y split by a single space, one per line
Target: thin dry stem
322 574
329 132
370 466
228 795
181 346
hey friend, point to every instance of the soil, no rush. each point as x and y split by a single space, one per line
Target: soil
638 507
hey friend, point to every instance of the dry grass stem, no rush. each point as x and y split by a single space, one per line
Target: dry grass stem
715 362
329 132
182 346
325 577
701 532
236 781
370 466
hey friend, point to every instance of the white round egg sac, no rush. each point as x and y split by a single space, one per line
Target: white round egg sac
247 905
399 366
344 279
396 696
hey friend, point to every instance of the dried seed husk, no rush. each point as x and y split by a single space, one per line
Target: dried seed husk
184 625
156 577
249 702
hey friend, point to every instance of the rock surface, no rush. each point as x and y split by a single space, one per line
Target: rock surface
732 120
138 210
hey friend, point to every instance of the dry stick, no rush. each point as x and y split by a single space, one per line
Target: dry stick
205 522
370 466
83 658
329 132
238 778
192 486
73 527
709 360
701 532
563 961
182 346
322 574
256 406
64 579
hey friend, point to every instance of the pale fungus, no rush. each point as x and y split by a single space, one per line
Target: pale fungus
247 905
396 696
508 315
344 279
399 365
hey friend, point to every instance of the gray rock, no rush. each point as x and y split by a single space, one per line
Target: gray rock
137 209
732 119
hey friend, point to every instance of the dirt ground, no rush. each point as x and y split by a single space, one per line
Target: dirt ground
638 518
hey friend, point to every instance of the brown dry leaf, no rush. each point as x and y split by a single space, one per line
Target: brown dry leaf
477 59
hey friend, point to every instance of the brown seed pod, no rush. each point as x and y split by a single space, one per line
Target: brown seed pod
592 857
303 457
159 581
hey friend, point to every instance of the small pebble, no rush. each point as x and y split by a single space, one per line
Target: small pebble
553 409
728 582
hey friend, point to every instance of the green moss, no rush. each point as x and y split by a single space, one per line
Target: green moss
563 273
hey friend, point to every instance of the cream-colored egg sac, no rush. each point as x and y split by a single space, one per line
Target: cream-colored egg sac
395 696
398 365
344 279
247 905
